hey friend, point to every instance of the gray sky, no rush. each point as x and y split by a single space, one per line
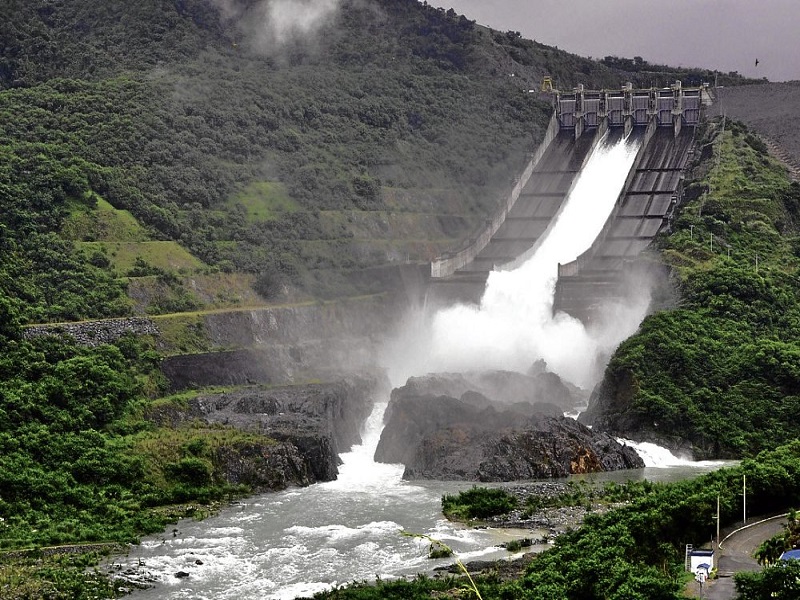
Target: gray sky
727 35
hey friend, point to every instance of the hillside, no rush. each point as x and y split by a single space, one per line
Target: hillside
385 134
722 370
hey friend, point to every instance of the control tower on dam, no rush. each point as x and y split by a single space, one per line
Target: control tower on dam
665 119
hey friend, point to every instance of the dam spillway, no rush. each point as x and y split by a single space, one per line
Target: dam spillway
664 119
604 273
538 203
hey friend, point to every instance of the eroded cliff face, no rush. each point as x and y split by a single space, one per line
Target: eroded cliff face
311 423
474 437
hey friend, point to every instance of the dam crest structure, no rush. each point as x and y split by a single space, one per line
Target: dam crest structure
664 118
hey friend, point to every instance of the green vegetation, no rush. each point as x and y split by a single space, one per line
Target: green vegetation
723 369
587 494
477 503
652 75
781 582
264 201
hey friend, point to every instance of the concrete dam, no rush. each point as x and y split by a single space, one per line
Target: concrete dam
661 121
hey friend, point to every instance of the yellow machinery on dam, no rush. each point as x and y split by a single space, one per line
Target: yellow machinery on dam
665 118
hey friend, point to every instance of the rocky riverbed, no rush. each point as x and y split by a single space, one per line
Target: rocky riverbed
543 526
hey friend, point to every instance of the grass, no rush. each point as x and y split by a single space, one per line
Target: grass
477 503
264 201
103 223
224 290
165 447
182 334
169 256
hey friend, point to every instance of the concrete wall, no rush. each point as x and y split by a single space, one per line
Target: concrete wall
447 265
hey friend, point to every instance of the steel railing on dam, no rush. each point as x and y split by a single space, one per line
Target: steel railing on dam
580 118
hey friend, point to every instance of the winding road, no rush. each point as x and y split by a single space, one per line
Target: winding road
737 555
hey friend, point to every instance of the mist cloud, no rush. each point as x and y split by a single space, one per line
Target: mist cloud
269 26
514 326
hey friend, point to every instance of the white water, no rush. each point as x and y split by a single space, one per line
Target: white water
656 456
299 542
514 325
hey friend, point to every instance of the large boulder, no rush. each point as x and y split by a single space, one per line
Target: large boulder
473 437
538 386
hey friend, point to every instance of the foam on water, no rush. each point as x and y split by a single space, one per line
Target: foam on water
655 456
295 543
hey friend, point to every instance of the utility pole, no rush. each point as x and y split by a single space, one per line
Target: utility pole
717 521
744 498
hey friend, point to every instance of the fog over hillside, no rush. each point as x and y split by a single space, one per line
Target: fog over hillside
728 35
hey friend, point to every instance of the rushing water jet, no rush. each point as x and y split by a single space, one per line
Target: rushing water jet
514 324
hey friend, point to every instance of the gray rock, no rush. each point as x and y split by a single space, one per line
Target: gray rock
313 423
475 438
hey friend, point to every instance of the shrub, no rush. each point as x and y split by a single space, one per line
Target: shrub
478 503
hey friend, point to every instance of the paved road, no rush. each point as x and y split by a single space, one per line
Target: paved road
737 555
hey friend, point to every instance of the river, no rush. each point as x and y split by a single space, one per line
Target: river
301 541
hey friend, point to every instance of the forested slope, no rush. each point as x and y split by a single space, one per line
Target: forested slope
144 144
385 132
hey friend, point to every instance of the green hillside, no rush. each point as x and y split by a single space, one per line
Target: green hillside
723 369
176 115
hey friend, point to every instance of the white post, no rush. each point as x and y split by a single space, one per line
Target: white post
744 498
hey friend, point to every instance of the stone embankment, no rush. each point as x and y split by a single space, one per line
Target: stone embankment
95 333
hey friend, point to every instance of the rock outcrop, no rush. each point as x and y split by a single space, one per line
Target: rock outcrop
477 438
264 467
610 411
316 422
539 386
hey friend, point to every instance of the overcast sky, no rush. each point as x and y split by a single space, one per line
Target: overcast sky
728 35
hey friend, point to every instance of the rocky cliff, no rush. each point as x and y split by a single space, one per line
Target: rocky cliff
477 438
314 422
